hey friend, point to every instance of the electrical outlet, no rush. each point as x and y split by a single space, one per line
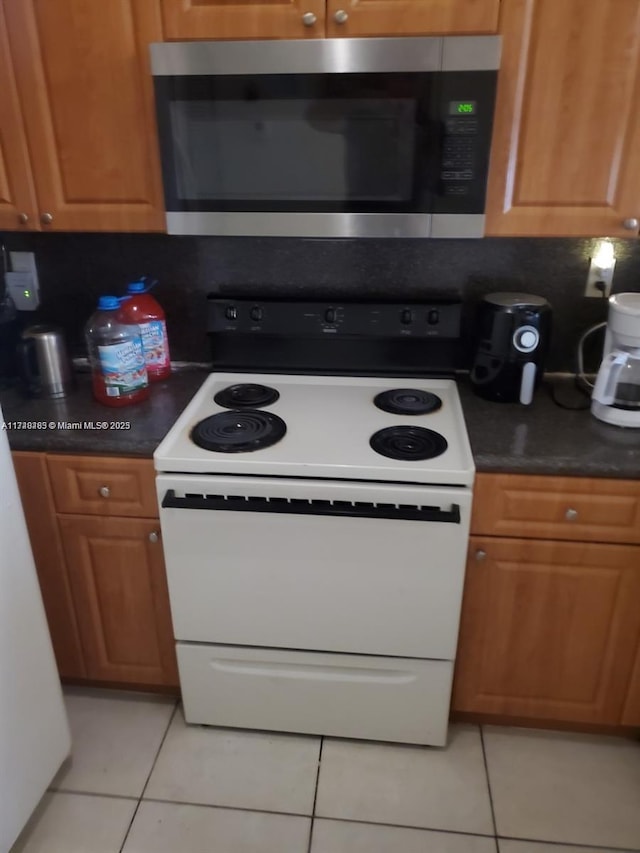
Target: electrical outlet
601 267
22 281
596 275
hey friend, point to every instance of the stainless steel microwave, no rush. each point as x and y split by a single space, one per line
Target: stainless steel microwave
326 137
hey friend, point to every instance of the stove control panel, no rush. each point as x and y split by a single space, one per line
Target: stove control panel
401 320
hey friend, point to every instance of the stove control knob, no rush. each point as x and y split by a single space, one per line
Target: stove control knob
406 317
433 317
330 315
231 313
256 314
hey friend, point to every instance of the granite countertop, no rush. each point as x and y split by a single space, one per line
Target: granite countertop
149 421
538 439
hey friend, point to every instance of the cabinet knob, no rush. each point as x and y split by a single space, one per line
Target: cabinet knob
23 218
309 19
631 224
104 491
481 555
571 514
46 219
154 536
341 17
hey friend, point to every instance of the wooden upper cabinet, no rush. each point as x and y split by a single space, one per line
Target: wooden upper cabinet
549 630
411 17
243 19
83 77
566 145
18 207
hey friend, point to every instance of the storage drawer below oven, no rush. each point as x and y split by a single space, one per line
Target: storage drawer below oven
354 696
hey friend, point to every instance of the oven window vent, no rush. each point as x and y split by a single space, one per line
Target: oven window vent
303 506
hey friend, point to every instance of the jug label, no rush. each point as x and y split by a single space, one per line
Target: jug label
123 368
154 343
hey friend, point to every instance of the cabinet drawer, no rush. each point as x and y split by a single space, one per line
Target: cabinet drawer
576 508
355 696
95 485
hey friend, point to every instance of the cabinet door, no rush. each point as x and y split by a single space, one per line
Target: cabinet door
631 712
548 630
411 17
83 77
37 501
120 591
17 195
243 19
566 147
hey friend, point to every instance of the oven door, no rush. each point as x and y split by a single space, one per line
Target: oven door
344 138
316 565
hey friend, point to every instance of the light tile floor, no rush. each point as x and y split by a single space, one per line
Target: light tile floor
141 781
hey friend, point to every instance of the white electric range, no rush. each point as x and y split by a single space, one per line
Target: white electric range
315 532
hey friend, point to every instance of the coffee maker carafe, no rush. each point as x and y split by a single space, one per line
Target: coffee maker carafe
616 394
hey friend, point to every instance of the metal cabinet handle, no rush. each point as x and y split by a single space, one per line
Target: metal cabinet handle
154 536
571 514
104 491
631 224
341 17
23 218
46 219
309 19
481 555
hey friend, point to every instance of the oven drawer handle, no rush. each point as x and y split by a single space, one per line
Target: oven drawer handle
359 509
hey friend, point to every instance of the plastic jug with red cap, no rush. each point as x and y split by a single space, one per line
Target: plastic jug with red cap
140 308
115 353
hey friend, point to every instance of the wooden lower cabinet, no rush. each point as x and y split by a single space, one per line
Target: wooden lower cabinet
631 712
549 631
120 593
39 511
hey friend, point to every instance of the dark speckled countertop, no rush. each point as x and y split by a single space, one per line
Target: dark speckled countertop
537 439
150 421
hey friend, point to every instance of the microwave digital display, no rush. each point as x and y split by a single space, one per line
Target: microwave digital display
462 108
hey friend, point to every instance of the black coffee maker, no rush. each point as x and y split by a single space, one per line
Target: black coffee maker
513 339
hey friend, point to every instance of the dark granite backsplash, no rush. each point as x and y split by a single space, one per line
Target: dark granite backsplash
75 269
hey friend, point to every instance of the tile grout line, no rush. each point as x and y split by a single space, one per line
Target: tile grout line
315 796
144 787
579 845
77 793
223 807
486 771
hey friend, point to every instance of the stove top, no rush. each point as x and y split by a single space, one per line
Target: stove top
336 427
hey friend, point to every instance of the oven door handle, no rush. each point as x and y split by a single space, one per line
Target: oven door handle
298 506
